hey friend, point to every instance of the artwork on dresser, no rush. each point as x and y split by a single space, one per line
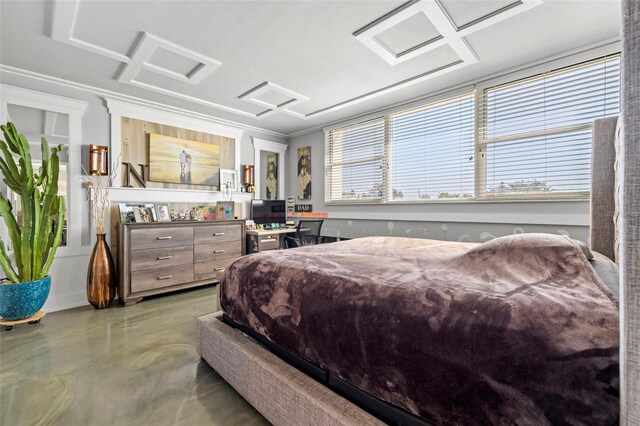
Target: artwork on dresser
162 213
143 214
137 213
175 160
151 209
271 181
126 212
224 209
304 173
208 212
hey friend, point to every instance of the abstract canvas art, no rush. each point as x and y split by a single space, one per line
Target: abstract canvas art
224 209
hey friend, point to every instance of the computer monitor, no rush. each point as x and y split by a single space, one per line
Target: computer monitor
266 212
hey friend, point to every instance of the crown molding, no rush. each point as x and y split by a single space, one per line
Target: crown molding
132 99
602 47
39 100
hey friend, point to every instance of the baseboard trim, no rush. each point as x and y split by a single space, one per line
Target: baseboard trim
66 301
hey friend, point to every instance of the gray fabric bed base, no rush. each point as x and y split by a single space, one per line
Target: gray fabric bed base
630 246
281 393
603 193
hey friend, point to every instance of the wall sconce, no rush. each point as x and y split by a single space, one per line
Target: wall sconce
248 178
98 160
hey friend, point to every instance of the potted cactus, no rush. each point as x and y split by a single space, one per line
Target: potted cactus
34 241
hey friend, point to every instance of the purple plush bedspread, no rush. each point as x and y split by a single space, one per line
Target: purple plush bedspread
518 330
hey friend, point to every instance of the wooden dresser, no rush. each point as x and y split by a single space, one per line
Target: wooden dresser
156 258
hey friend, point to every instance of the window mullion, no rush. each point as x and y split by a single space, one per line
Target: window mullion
386 164
480 158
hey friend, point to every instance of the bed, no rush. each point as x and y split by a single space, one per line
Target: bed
521 329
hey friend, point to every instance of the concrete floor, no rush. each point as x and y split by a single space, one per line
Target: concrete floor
117 366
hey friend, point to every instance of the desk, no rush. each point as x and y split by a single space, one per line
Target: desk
263 240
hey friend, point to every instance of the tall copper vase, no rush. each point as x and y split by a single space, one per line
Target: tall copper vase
101 279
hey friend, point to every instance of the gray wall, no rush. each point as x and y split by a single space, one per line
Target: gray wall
453 221
69 271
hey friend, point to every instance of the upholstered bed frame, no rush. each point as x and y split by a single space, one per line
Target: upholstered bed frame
286 396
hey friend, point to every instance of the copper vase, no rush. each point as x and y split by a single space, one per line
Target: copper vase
101 279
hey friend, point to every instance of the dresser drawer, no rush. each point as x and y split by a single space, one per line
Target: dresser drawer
217 233
161 277
210 252
207 270
161 258
173 236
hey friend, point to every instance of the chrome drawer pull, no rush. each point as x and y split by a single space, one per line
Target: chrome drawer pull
218 234
163 257
218 251
166 277
165 238
219 269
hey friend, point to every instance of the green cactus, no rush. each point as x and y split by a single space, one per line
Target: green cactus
35 244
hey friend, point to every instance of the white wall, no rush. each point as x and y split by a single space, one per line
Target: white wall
69 273
466 221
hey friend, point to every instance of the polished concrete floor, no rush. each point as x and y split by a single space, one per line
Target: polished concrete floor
117 366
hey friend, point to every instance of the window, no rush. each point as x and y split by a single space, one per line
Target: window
355 162
432 151
535 134
525 139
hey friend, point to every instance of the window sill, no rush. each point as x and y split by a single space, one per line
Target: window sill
458 201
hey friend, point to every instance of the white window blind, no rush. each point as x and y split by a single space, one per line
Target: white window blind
535 134
432 150
355 162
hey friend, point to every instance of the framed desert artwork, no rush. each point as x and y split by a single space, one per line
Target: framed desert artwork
177 160
304 173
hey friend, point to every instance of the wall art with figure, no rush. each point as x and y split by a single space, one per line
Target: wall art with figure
271 182
304 173
183 161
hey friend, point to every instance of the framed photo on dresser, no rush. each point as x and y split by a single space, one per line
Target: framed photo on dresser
163 214
143 214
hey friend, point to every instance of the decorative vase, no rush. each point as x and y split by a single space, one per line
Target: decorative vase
101 279
23 300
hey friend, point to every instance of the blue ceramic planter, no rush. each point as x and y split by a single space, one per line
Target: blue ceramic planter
23 300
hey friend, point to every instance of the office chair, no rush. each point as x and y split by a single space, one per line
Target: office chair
307 233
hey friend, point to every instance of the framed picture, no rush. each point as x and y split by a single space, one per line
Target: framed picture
152 212
228 180
304 173
208 211
177 160
163 214
224 209
126 212
272 177
142 214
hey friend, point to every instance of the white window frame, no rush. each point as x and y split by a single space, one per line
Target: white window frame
386 160
480 144
480 160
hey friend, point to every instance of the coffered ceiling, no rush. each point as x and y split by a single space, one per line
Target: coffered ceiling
287 66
